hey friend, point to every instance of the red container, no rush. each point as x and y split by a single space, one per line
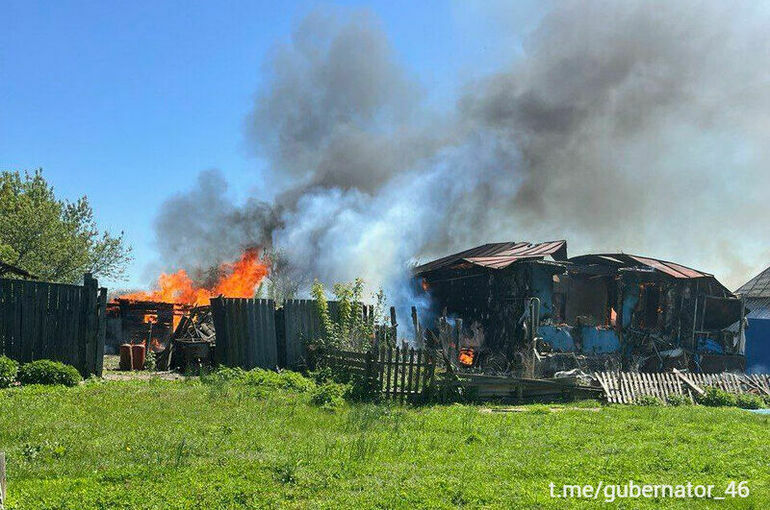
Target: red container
126 362
137 355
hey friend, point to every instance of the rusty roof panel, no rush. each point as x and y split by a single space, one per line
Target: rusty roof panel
625 260
499 255
671 268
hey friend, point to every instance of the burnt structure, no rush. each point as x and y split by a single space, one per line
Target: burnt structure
594 312
131 321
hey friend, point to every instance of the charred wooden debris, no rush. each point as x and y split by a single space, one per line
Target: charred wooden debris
132 321
529 310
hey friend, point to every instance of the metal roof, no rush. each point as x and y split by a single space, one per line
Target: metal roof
499 255
759 308
757 287
626 260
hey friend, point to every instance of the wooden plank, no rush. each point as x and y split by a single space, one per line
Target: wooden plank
390 368
102 332
403 368
417 372
691 384
409 376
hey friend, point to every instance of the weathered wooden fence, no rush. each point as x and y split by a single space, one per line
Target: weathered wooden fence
300 323
245 332
628 387
41 320
400 374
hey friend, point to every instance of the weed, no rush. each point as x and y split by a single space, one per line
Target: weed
677 400
8 370
747 401
714 397
649 401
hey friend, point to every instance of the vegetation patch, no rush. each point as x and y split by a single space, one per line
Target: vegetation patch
45 371
185 444
8 371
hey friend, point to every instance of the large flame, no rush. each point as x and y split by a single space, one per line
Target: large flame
240 279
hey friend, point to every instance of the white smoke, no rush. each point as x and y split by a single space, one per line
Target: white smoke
636 126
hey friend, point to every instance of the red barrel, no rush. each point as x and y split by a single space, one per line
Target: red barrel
126 362
137 354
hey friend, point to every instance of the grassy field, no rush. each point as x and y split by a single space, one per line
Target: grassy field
189 445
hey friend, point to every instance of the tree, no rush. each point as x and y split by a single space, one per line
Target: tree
55 240
284 280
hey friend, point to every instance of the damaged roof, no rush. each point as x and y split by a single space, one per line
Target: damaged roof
499 255
757 287
626 260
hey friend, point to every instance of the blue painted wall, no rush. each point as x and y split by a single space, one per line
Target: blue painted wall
595 340
758 346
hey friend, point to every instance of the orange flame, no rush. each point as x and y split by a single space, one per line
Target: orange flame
465 357
240 279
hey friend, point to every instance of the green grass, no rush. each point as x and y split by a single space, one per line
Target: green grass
188 445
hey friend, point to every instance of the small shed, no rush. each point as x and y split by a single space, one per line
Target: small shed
757 295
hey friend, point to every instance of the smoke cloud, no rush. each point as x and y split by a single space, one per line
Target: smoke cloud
634 126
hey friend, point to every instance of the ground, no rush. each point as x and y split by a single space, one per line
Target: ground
192 444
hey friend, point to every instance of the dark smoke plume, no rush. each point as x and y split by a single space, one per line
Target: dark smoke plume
636 126
202 228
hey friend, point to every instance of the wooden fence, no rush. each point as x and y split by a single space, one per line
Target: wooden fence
300 323
245 332
41 320
400 374
628 387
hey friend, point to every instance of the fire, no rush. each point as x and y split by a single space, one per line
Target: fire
465 357
240 279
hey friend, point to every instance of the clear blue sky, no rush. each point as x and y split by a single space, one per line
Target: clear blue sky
126 102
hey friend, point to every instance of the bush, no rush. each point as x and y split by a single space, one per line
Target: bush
714 397
649 401
329 395
8 370
677 400
747 401
285 380
45 371
223 374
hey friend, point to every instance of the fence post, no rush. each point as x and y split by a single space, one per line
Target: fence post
394 326
87 348
416 324
2 480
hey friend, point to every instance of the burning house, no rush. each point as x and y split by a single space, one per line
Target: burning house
151 318
528 307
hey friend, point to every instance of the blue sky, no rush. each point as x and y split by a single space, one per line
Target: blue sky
126 102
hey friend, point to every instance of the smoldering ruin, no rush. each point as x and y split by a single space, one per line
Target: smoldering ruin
528 309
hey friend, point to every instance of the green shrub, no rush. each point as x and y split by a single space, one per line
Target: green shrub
285 380
649 401
677 400
329 395
714 397
45 371
223 374
8 370
747 401
150 361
